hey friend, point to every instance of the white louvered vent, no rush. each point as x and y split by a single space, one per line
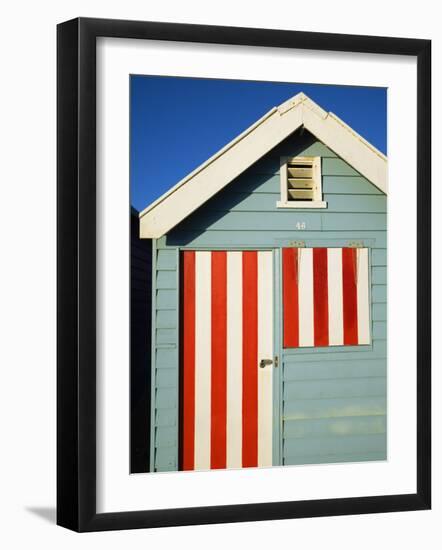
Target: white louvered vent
301 183
300 180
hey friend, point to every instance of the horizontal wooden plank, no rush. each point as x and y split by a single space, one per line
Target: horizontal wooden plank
331 408
330 389
166 259
166 358
234 201
380 330
378 275
355 203
166 336
335 458
335 445
166 319
166 437
254 183
379 312
345 222
379 293
166 459
166 279
166 378
379 256
354 185
318 370
244 202
262 239
257 221
269 183
166 299
166 417
266 165
166 398
329 427
166 345
336 353
337 167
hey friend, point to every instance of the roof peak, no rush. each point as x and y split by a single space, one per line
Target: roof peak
257 140
301 99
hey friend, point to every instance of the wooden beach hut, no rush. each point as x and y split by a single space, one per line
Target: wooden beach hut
269 300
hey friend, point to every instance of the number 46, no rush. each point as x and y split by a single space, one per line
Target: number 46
300 225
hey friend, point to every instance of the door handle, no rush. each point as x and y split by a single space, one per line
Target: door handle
264 362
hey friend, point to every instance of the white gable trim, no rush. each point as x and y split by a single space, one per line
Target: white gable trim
228 163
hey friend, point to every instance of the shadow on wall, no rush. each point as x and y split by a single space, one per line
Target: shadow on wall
140 346
238 190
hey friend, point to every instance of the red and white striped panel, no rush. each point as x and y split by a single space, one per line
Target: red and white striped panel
227 328
325 297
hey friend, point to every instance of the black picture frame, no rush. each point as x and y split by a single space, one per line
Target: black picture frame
76 274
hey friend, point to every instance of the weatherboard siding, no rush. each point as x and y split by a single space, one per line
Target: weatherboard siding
164 448
333 399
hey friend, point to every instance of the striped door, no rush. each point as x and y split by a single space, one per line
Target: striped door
325 297
227 328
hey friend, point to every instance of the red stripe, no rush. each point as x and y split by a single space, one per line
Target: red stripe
290 297
350 304
320 296
250 360
219 361
188 375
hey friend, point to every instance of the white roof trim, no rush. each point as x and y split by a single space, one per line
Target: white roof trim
230 161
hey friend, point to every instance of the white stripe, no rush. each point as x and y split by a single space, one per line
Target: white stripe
335 304
202 359
234 360
265 351
305 278
363 297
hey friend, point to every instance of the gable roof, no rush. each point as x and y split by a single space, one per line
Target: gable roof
243 151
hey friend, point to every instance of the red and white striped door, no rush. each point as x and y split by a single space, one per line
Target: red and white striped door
226 404
325 297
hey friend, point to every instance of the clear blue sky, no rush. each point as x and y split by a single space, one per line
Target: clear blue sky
177 123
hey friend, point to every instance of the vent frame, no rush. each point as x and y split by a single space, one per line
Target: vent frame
301 182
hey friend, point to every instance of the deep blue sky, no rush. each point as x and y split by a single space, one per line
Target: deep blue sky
177 123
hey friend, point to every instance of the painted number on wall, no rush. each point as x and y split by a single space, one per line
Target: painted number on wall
300 225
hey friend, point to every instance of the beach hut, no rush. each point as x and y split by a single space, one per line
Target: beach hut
269 300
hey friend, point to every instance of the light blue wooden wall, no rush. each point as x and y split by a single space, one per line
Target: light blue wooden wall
333 405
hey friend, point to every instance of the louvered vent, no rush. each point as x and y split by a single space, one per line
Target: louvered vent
300 180
301 183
